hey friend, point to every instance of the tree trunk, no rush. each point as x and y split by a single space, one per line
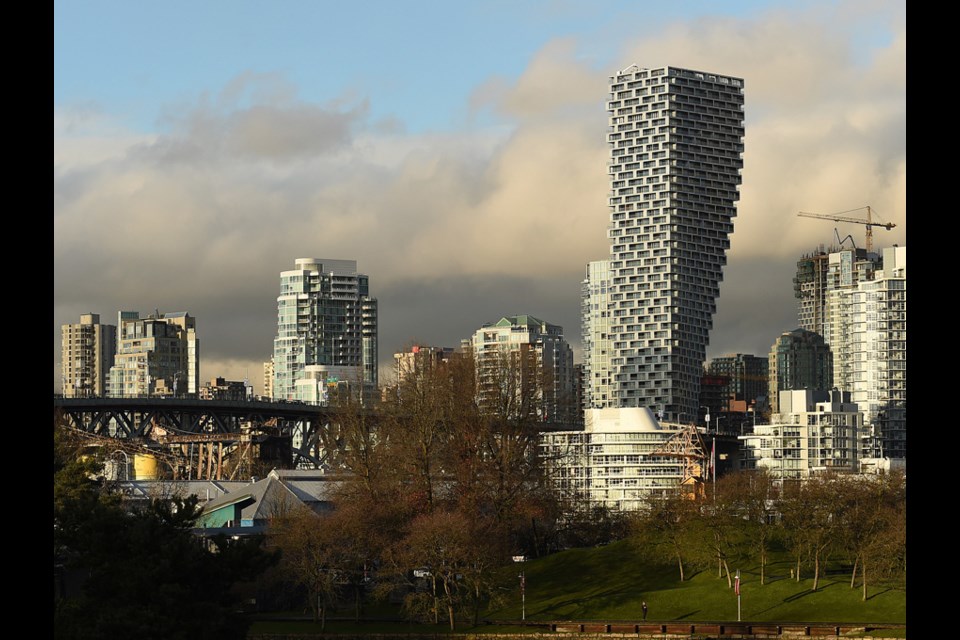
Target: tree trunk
798 566
853 576
476 604
727 569
680 562
863 574
446 590
763 565
816 571
536 537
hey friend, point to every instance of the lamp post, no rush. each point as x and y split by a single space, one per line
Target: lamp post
523 597
713 449
523 588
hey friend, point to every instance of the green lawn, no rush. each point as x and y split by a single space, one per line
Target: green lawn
610 582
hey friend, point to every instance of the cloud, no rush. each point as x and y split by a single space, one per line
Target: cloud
458 228
553 85
825 125
278 129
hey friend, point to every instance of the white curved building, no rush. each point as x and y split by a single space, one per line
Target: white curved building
614 462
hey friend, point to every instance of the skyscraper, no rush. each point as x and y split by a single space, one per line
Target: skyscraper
824 280
86 354
810 289
325 316
676 144
878 351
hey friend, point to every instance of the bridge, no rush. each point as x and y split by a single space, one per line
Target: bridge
143 421
209 438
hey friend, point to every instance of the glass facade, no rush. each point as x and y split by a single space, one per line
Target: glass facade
325 316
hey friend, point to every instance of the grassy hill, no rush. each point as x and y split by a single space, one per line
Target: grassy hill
610 582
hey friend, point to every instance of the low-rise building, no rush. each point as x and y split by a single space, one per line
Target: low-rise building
622 458
320 383
814 431
221 389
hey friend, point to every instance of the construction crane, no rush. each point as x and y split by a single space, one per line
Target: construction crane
839 217
687 445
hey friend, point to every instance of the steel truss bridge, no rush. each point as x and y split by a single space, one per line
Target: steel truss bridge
167 421
208 438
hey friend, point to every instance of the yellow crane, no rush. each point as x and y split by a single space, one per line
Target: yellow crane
839 217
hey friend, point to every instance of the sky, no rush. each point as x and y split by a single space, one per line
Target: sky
456 151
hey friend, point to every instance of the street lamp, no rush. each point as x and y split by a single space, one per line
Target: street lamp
523 588
713 448
706 419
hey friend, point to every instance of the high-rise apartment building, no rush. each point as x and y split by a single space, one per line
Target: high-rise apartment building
799 359
156 356
824 280
878 351
846 269
676 144
596 318
86 354
524 368
325 316
861 308
810 289
748 374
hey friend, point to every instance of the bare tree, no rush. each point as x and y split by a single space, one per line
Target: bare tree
754 498
453 556
309 557
357 441
419 416
668 525
721 523
495 438
874 528
812 516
